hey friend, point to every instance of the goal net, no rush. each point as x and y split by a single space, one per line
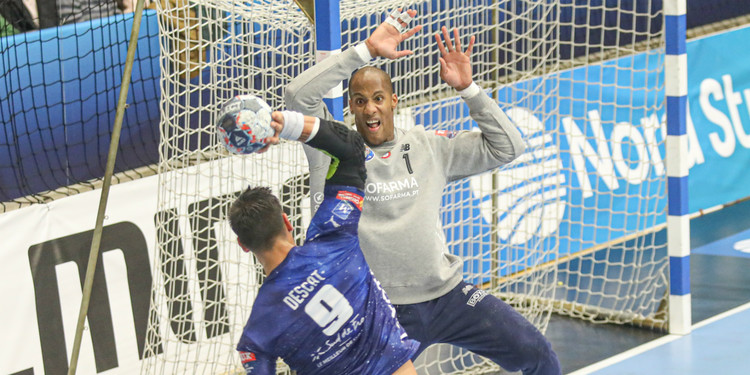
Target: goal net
574 226
60 76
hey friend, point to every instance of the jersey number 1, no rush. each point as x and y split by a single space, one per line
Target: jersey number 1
408 164
330 309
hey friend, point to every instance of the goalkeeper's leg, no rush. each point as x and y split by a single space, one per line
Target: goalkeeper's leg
470 318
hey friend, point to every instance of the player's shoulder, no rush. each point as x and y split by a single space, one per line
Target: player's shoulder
427 139
416 134
420 131
443 134
330 245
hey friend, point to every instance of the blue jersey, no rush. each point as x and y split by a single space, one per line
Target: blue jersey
321 309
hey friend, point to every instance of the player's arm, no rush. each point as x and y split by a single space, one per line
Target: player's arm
305 92
344 146
346 175
499 141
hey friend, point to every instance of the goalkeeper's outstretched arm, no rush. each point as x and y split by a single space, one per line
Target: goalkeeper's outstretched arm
343 145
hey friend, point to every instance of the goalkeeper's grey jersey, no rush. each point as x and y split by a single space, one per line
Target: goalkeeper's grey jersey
400 230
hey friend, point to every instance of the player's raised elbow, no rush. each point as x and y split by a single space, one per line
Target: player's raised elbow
294 100
509 150
519 147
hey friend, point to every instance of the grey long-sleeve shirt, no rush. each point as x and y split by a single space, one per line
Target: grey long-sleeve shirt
400 230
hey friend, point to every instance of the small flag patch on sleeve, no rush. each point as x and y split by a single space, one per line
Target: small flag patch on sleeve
246 357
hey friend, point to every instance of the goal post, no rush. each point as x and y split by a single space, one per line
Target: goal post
575 226
678 220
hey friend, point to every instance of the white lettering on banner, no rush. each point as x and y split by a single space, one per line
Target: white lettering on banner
580 148
609 164
731 126
724 148
733 100
621 131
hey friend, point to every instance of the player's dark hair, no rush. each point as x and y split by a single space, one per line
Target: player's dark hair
383 75
256 218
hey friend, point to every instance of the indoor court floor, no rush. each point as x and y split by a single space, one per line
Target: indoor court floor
720 340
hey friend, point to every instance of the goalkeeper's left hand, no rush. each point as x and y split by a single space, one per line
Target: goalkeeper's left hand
455 63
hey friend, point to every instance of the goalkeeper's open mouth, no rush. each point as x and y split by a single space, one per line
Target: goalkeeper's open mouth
373 125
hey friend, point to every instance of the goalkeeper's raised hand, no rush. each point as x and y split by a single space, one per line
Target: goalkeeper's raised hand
455 64
394 30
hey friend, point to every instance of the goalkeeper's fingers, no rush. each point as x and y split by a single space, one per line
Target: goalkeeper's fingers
277 123
269 142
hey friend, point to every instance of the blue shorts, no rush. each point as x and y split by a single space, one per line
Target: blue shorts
470 318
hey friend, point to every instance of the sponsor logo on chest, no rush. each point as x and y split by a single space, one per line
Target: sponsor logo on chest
408 183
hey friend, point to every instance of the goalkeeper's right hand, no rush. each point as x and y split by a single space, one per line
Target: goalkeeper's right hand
386 38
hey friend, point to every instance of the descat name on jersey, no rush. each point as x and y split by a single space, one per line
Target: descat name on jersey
299 293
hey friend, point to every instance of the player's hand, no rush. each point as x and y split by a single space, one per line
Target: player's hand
455 65
277 123
386 38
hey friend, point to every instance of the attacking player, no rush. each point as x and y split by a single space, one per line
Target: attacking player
400 232
319 308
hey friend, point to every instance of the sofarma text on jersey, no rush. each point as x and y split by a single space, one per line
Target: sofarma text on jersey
299 293
392 186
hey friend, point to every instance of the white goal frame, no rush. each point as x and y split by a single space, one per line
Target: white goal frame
522 236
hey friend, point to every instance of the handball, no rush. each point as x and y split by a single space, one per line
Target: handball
244 124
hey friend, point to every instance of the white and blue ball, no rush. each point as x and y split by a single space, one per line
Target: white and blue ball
244 124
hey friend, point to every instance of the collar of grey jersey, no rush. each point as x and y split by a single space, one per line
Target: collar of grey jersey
388 145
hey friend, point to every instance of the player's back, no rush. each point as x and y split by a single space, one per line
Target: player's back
321 309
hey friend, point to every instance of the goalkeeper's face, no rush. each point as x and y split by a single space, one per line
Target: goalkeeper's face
372 101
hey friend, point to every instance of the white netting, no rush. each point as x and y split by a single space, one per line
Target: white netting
561 229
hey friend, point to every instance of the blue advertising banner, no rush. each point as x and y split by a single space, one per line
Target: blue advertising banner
58 98
594 168
719 118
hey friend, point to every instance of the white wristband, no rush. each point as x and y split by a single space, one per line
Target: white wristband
294 122
363 52
470 91
294 127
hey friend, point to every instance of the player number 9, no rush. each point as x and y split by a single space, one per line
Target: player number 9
329 309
